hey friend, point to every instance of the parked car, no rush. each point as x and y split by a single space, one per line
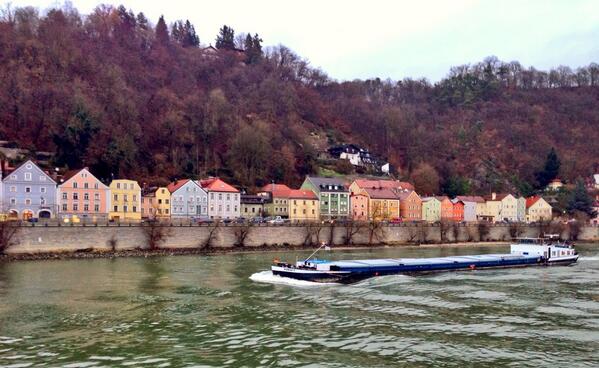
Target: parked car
204 221
396 220
257 220
277 220
240 220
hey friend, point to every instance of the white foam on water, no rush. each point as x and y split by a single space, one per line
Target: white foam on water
267 277
593 258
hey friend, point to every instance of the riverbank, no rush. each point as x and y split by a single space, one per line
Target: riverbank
168 252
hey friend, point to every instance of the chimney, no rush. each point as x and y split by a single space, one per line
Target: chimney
493 196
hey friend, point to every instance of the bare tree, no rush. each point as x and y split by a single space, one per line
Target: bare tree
352 228
516 229
483 230
155 234
112 242
455 231
444 227
213 230
241 233
313 229
574 229
9 230
332 227
376 231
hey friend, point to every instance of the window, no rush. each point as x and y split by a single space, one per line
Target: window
96 186
75 185
13 189
42 201
42 189
116 197
86 207
159 201
135 198
134 209
75 207
96 196
116 208
96 208
27 189
85 186
64 207
13 201
228 197
166 201
86 196
131 186
125 197
27 176
118 185
75 196
220 196
64 196
13 177
125 208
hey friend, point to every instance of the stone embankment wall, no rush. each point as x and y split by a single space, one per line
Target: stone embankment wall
38 238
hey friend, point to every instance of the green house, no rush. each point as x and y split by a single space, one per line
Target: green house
333 195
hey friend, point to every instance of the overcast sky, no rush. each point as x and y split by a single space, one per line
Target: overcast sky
394 39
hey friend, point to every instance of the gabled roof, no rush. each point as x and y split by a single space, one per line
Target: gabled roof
323 183
429 199
476 199
277 190
174 186
302 194
381 193
442 198
73 173
396 184
34 164
530 201
217 185
405 194
498 197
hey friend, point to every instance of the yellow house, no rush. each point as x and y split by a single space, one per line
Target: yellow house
431 209
156 203
303 205
383 203
537 209
125 198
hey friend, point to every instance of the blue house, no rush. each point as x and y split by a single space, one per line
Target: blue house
28 192
188 199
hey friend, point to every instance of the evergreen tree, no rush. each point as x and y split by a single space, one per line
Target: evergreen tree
162 31
580 201
142 21
550 170
226 38
185 34
253 49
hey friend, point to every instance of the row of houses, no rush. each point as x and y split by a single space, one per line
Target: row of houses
29 192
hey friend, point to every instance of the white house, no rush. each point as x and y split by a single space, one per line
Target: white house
224 201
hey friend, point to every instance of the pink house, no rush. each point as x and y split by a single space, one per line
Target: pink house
83 195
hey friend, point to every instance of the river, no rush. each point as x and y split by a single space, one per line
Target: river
204 311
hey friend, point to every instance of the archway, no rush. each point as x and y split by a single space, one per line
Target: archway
27 215
45 214
13 214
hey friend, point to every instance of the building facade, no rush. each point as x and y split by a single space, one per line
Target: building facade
509 208
458 211
125 200
383 204
446 208
474 207
537 209
359 206
252 206
83 195
224 201
410 206
521 209
28 192
431 209
188 200
332 194
303 205
278 199
156 203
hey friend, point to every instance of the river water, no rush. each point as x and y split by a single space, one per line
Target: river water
204 311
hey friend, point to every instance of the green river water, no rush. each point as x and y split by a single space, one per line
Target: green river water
204 311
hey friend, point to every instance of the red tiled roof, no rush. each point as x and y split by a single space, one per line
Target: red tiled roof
277 190
388 184
382 193
174 186
302 194
217 185
69 174
531 201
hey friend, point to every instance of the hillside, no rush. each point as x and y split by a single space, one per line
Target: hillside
113 92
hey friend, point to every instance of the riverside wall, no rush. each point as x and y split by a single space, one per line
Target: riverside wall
47 238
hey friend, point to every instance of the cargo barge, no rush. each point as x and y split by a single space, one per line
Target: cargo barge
524 253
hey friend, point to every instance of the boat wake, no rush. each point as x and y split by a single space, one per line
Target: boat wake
267 277
593 258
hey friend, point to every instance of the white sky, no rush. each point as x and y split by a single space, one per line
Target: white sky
394 39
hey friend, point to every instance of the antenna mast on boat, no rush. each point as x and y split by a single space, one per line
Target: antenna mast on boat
323 244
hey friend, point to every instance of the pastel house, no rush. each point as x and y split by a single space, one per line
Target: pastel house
83 195
446 208
359 206
277 203
383 203
332 194
474 207
156 203
537 209
29 192
188 199
431 209
410 205
125 200
224 200
303 205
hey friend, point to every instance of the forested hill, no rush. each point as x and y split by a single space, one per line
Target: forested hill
114 92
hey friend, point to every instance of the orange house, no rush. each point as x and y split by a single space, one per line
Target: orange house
359 206
446 208
458 210
410 206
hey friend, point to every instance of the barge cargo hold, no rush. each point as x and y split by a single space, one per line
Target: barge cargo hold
527 252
